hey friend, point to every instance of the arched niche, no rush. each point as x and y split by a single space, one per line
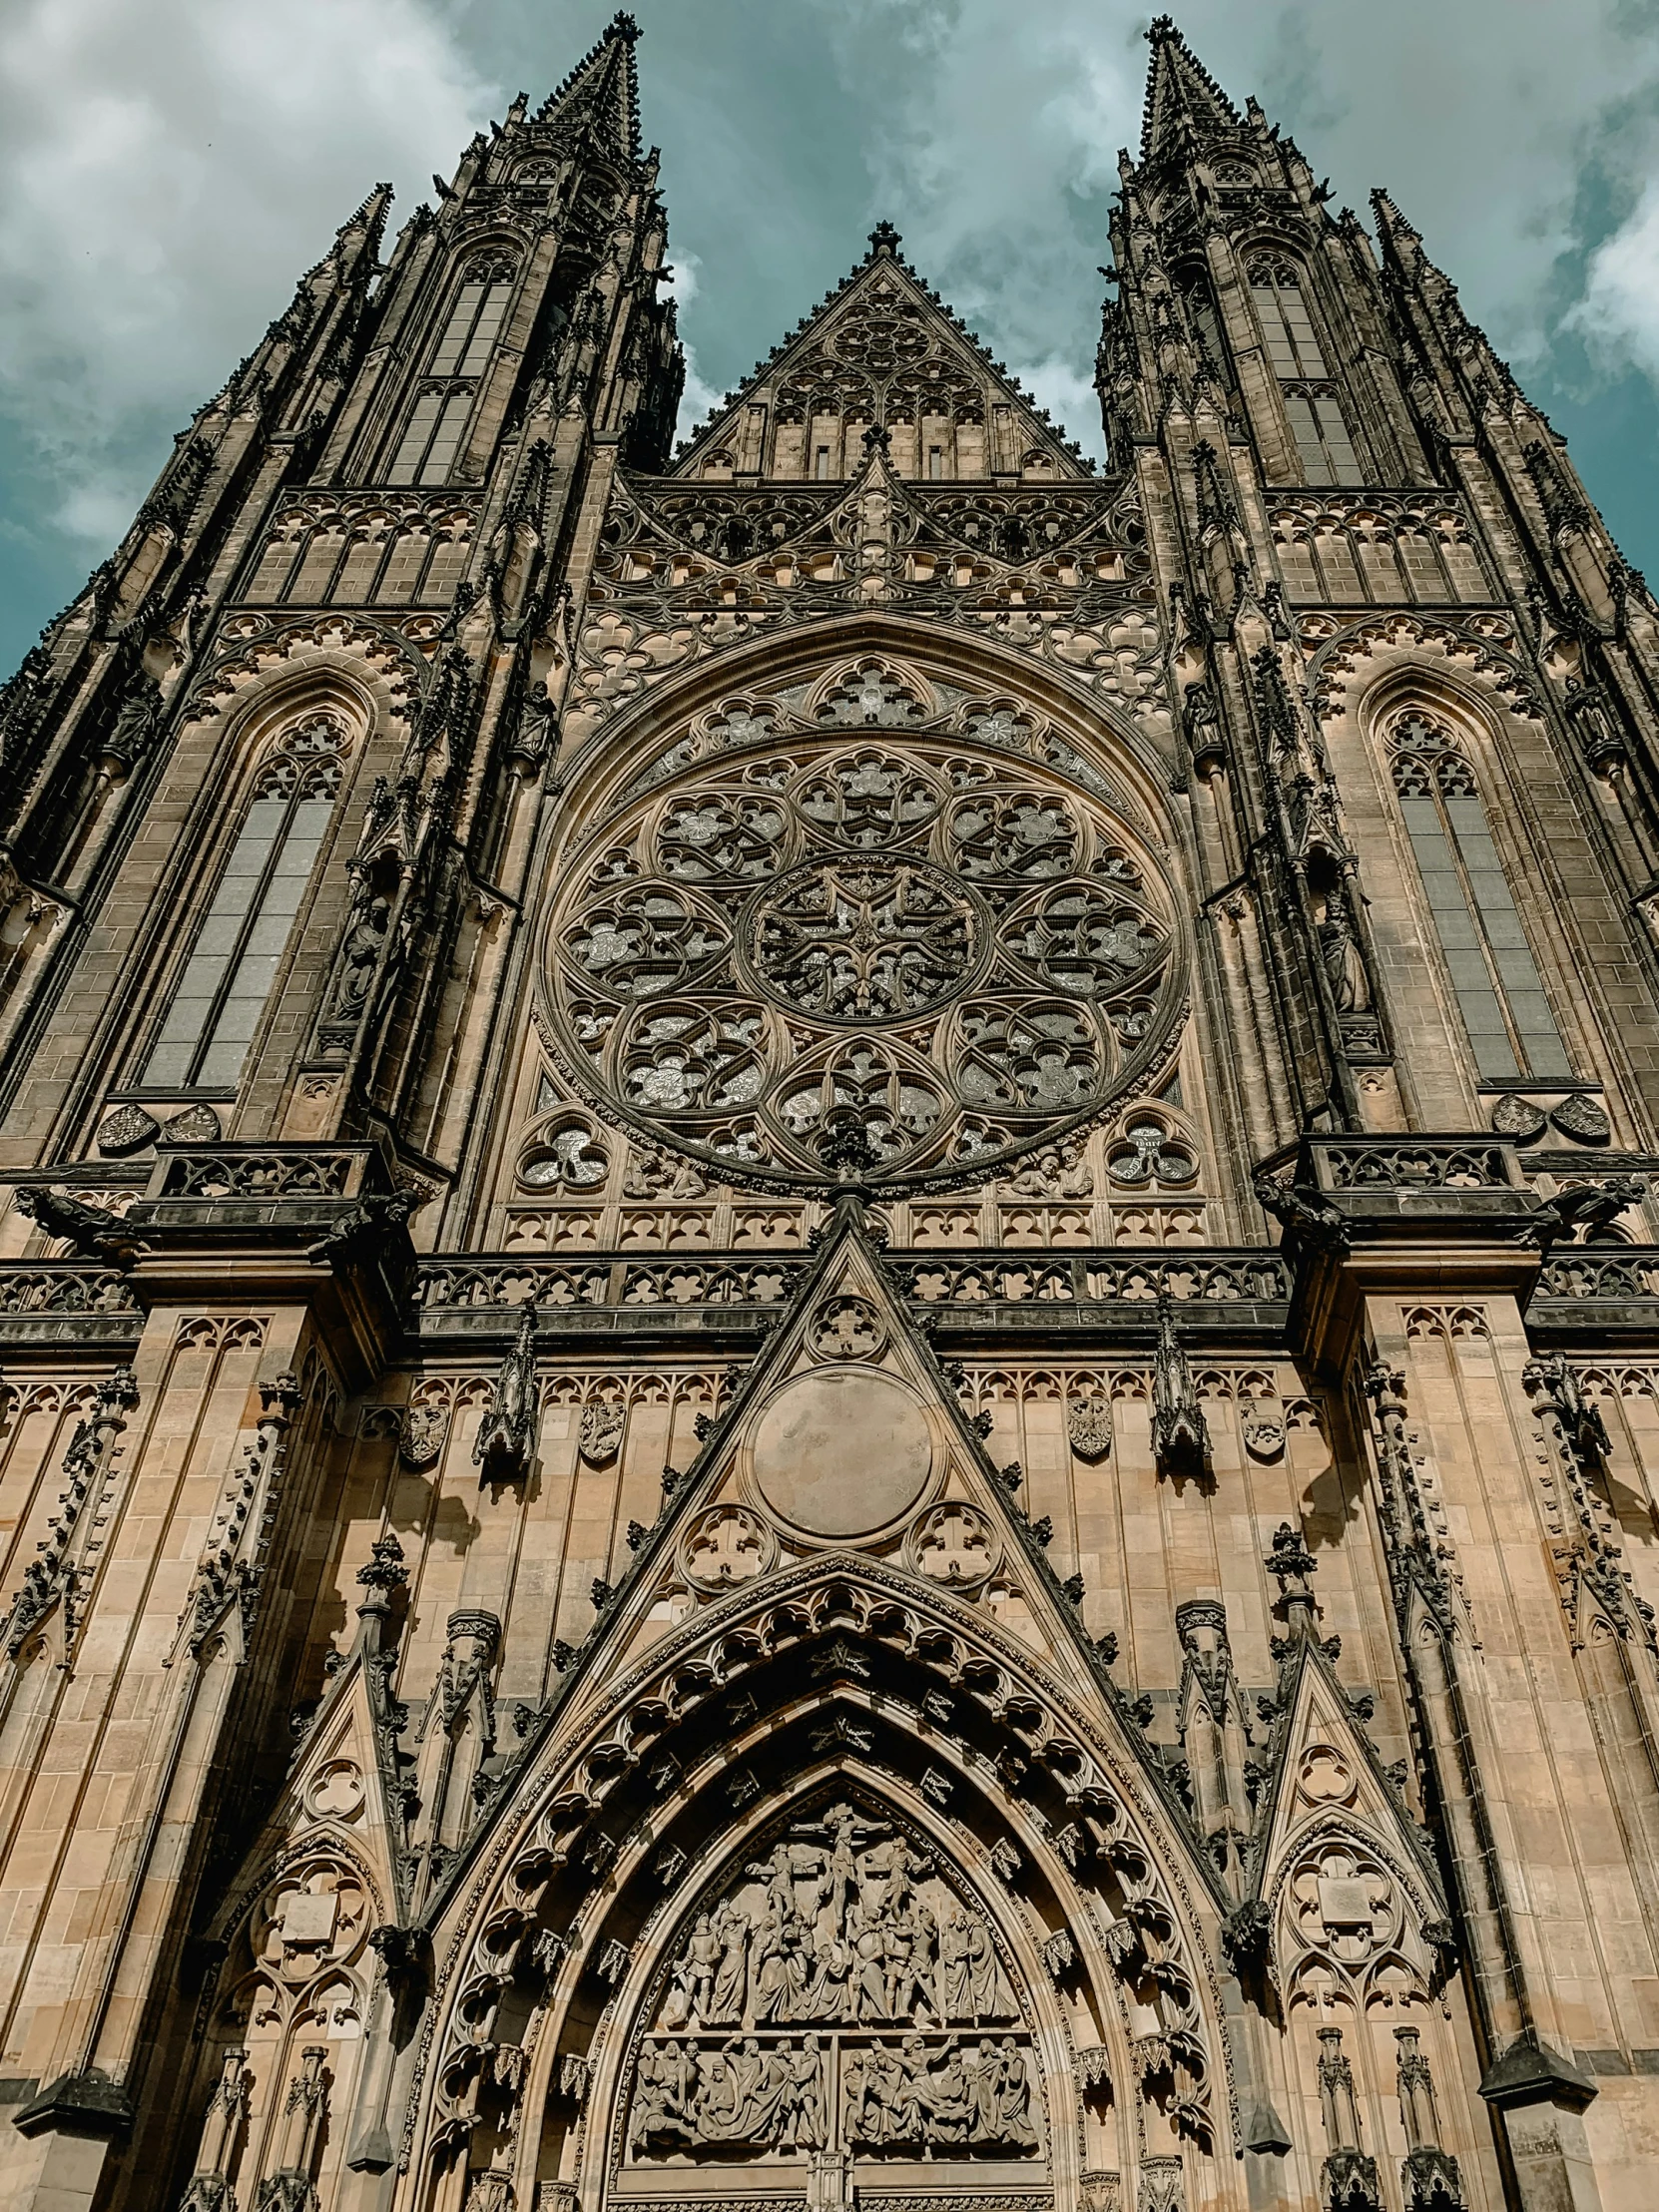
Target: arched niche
841 1987
839 1680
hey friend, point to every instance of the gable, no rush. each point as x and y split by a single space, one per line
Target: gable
846 1438
881 349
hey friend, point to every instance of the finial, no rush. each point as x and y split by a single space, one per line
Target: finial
883 239
622 26
878 438
1161 31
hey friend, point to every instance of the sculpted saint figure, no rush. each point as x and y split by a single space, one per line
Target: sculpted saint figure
730 1931
696 1969
1013 2112
956 1976
870 1955
362 950
805 2122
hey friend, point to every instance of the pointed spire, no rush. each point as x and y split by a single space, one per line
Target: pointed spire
602 92
1181 98
358 241
1402 244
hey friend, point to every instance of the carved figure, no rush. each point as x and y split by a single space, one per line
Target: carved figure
846 1924
1344 962
365 941
508 1432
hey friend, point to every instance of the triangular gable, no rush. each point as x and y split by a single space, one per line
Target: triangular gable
1349 1888
845 1436
845 1439
882 348
334 1808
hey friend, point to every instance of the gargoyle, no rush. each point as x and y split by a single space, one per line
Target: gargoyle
95 1233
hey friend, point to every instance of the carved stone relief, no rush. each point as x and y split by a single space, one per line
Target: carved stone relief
600 1434
726 1545
840 1993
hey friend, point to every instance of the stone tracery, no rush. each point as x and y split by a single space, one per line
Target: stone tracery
955 952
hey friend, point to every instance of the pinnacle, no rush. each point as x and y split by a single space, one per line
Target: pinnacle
1181 95
602 91
1389 217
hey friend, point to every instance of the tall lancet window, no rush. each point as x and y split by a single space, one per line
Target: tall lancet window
444 401
1500 993
1311 409
239 948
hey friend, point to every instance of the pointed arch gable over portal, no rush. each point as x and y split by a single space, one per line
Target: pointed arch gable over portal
839 1863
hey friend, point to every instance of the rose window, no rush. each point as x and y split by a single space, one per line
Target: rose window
907 956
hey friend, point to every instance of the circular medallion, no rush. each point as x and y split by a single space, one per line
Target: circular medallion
847 1328
931 950
843 1451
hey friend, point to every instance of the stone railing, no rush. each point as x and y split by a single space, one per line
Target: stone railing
264 1171
63 1287
625 1282
967 1291
1622 1272
68 1303
1481 1162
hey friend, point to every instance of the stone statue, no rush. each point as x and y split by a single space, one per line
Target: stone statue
507 1434
1342 958
365 941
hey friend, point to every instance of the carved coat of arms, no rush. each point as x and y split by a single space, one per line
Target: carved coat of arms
1089 1426
422 1438
1264 1435
601 1433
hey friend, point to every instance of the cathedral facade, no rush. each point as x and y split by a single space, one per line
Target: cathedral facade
829 1305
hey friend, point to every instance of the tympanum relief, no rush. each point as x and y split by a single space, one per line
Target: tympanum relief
841 1991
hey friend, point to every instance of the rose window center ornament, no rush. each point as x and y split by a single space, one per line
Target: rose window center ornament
854 943
904 962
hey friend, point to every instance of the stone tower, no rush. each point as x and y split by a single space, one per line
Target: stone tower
830 1321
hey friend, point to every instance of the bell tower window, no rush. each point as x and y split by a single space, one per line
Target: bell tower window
437 422
1499 992
234 962
1314 412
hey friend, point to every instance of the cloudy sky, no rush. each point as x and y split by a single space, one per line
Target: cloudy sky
168 166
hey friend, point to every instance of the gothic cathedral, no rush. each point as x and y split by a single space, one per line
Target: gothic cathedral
829 1302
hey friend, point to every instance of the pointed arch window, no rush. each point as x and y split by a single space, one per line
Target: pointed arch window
1499 992
437 422
233 964
1204 323
1319 428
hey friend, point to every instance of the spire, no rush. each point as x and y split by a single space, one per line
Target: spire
359 237
1181 95
1402 244
602 93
